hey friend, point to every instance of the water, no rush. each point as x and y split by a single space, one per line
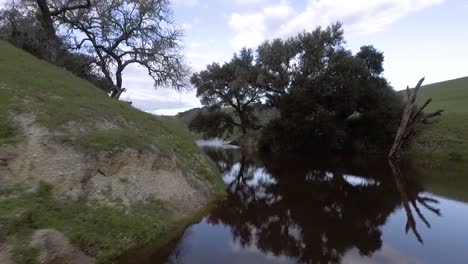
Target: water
306 210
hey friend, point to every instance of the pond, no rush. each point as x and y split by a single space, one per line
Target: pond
308 210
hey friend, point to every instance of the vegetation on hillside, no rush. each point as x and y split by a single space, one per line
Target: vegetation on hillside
78 110
103 232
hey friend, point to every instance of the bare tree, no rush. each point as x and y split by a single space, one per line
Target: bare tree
413 116
118 33
48 10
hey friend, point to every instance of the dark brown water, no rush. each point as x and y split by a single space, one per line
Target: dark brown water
290 210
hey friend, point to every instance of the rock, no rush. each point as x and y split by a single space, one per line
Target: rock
55 248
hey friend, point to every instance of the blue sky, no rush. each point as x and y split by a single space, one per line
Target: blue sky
418 37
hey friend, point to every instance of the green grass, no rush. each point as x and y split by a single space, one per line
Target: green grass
99 231
24 253
446 140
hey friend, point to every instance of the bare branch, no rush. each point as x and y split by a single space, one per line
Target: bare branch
124 32
70 8
412 117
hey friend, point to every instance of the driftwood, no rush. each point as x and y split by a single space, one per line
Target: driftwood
413 116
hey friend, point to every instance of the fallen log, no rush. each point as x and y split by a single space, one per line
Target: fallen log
413 116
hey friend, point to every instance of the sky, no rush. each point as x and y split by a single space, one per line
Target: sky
418 37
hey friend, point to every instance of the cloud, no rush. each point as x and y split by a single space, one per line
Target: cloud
187 26
250 2
358 16
141 91
252 28
195 44
170 111
187 3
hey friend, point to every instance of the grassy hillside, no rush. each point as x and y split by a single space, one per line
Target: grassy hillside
84 115
446 140
443 146
80 115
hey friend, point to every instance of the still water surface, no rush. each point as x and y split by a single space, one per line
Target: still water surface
291 210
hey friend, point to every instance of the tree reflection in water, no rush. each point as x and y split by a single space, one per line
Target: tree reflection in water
314 212
409 198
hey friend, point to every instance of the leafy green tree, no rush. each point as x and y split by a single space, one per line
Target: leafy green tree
285 64
324 86
233 87
372 58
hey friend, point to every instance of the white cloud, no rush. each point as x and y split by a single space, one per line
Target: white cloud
170 111
187 26
141 91
195 44
359 16
188 3
252 28
250 2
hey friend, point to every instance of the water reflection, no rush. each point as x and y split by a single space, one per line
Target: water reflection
307 212
409 199
291 210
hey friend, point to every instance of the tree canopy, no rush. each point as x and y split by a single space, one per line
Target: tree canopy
325 96
235 86
125 32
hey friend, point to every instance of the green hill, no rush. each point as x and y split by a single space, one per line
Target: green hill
110 177
447 139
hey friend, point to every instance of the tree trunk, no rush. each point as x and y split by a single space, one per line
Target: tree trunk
47 23
412 117
117 92
50 37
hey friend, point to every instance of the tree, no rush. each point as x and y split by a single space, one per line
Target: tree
277 61
372 58
19 26
47 11
118 33
233 86
212 123
287 63
319 85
